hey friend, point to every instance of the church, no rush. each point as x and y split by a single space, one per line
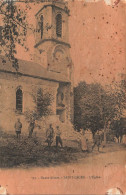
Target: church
51 71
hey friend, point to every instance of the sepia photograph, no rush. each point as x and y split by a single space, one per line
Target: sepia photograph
62 97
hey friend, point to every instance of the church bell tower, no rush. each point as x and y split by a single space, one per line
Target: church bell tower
52 37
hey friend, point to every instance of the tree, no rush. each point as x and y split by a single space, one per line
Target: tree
42 108
86 108
96 107
43 103
119 128
14 29
119 124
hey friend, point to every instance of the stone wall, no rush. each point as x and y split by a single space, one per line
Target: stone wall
8 85
8 114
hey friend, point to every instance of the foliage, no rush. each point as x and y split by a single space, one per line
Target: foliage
43 101
96 107
42 108
27 153
119 127
32 152
14 29
85 109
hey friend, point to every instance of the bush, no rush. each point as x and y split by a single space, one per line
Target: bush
31 152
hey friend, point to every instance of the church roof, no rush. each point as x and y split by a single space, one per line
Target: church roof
31 69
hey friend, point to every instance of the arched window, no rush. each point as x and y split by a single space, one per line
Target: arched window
59 25
19 98
41 26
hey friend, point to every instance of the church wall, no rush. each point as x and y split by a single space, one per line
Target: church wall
53 53
47 24
47 45
8 85
50 48
69 102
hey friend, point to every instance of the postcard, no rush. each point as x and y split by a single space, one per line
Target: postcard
62 97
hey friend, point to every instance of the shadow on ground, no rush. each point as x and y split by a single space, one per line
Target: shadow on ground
26 153
32 152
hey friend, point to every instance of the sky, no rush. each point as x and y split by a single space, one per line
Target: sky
98 41
97 35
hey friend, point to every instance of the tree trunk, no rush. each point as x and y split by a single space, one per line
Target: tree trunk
105 136
106 128
105 133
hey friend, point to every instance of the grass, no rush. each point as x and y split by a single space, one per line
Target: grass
32 152
26 153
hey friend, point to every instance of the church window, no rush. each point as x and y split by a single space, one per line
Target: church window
41 26
19 98
59 25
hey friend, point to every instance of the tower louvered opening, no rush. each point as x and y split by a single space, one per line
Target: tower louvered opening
41 26
59 25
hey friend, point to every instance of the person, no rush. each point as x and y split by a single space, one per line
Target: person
97 140
58 137
31 127
18 127
124 139
84 147
50 135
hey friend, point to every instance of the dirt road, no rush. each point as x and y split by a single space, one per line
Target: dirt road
92 174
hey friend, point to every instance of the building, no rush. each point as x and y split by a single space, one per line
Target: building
51 71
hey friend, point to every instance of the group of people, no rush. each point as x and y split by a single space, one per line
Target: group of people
50 133
18 128
97 140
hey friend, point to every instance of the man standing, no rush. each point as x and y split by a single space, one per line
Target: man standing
97 140
50 135
31 127
58 137
18 127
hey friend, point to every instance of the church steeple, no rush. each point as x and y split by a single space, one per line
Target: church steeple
52 37
52 22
